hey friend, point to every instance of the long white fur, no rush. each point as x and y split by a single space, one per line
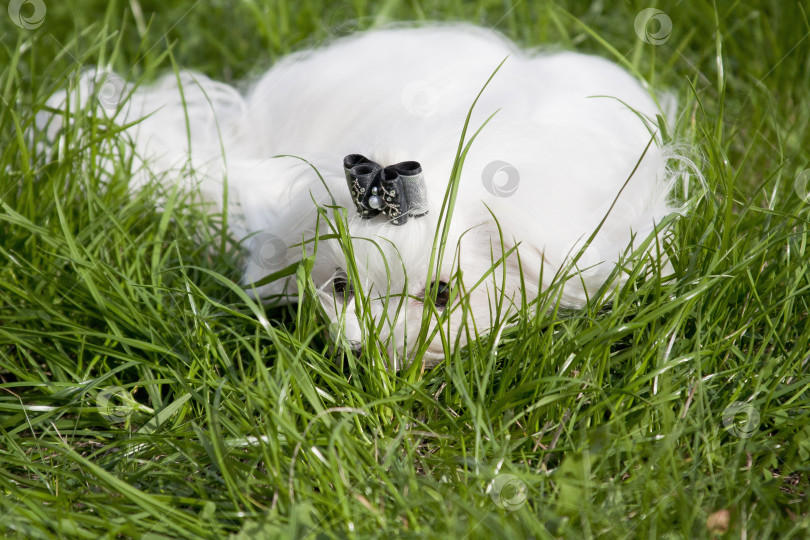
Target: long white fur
570 125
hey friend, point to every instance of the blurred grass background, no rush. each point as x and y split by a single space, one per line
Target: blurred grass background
143 395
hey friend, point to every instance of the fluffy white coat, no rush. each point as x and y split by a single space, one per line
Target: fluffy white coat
569 131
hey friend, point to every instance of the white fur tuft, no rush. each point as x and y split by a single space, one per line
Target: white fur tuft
571 127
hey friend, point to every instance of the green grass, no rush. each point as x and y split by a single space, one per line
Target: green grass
242 422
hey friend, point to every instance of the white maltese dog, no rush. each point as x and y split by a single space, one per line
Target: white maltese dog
347 155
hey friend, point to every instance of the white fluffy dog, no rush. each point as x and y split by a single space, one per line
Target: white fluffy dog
566 145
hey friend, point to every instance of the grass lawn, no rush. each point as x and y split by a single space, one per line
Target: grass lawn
144 395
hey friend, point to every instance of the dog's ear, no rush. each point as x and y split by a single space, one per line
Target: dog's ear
275 205
492 252
534 258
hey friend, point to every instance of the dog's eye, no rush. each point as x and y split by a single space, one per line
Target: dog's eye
442 294
343 289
